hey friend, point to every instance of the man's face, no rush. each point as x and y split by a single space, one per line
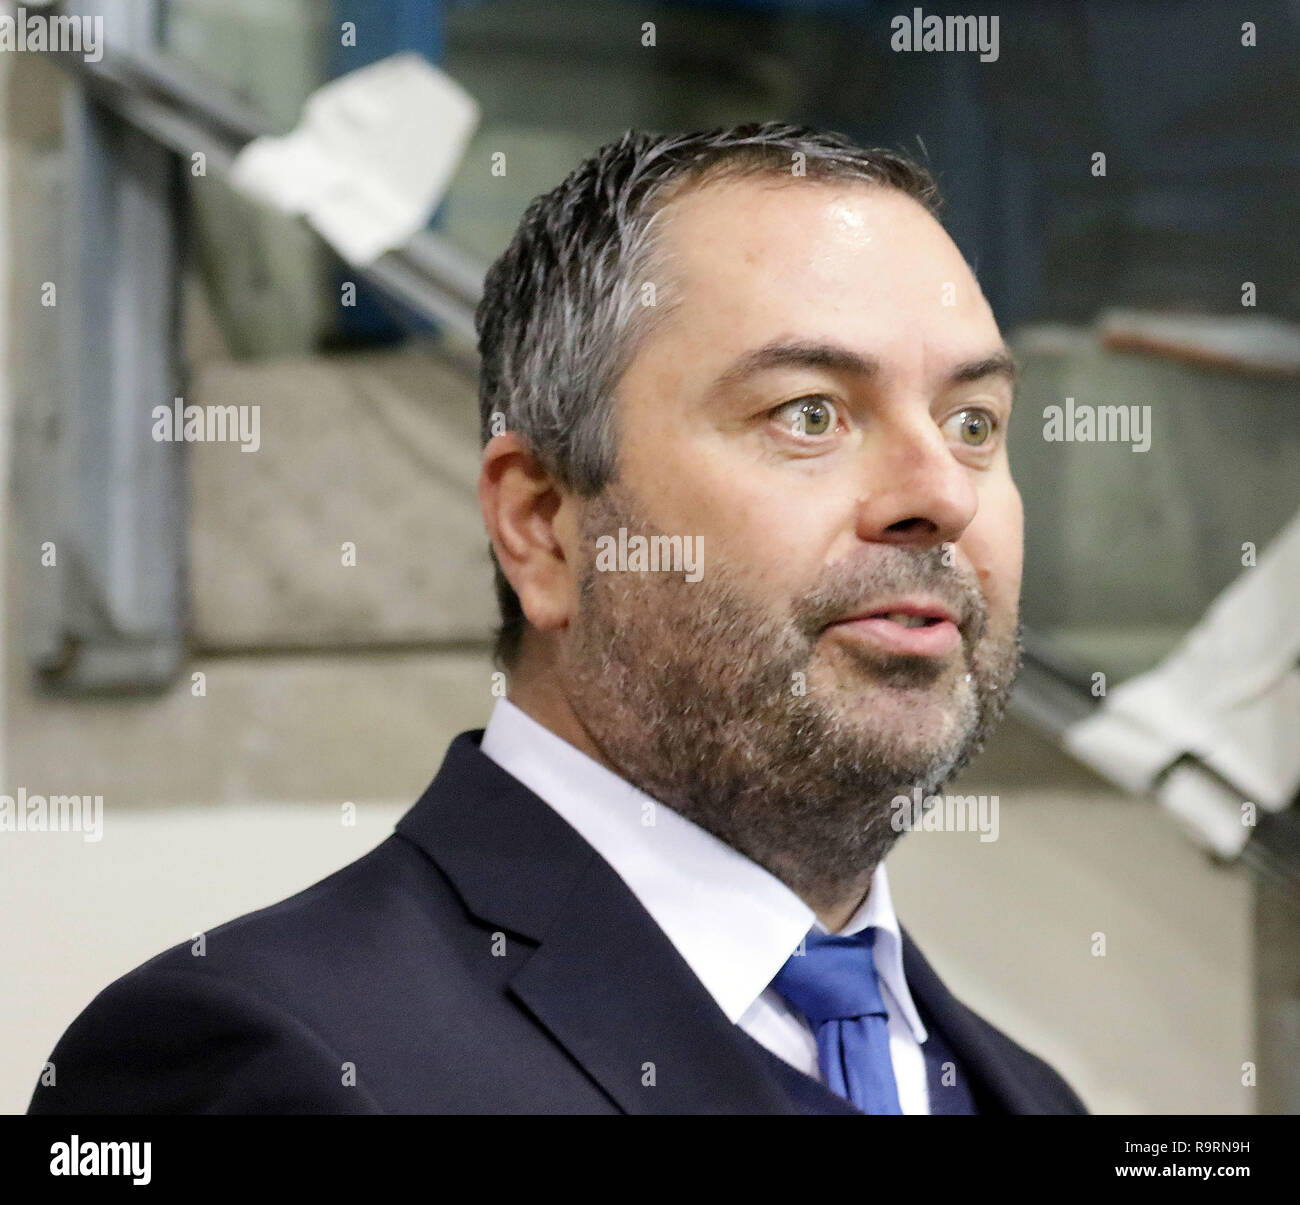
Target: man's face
858 470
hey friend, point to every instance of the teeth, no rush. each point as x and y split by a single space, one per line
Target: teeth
907 621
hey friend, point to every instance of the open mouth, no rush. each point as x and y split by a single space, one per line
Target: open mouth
903 633
909 621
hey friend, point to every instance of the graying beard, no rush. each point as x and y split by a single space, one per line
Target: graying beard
764 770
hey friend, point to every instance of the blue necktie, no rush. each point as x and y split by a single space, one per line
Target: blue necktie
833 984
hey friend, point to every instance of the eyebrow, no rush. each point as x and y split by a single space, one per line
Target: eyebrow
803 354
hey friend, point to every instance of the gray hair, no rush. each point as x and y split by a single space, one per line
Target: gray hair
583 284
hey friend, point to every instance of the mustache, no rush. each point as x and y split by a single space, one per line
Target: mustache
889 571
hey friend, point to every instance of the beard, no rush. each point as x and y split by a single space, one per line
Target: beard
781 739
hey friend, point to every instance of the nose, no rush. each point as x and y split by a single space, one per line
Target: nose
916 492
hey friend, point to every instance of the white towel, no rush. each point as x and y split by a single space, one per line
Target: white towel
1229 695
374 153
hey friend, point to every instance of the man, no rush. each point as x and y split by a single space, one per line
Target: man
758 553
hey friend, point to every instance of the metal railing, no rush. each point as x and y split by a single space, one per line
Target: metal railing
429 274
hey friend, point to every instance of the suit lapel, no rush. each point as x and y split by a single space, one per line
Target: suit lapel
610 987
805 1094
978 1047
604 981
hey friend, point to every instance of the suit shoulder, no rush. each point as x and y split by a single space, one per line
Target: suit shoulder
195 1028
167 1040
1038 1087
333 918
1035 1075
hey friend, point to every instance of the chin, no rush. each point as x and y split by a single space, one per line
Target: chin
919 693
919 723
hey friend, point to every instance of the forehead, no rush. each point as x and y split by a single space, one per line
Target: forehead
751 255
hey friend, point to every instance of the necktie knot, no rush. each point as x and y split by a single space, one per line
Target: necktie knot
833 979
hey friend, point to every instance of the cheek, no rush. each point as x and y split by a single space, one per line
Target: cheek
772 536
994 542
777 546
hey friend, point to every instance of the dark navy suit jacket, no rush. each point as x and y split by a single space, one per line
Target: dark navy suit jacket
483 959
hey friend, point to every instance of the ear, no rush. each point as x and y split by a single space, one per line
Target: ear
530 519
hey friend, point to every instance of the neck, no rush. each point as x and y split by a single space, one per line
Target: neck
534 690
836 916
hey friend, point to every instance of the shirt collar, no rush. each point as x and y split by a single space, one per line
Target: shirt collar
733 922
878 910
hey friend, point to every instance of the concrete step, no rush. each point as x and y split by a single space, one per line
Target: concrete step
377 451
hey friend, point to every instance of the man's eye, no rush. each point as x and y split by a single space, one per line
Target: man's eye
807 415
975 427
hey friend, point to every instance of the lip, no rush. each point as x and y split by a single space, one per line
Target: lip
937 639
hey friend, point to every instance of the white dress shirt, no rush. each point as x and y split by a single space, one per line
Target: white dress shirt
733 922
